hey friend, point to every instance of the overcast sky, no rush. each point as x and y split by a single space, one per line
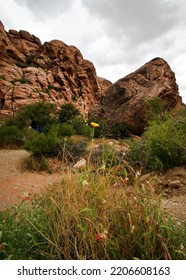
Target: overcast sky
118 36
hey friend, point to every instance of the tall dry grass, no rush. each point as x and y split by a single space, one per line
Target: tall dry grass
96 216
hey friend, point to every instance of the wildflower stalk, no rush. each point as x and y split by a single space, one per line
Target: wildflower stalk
94 125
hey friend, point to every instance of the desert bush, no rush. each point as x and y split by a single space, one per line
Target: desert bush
2 77
30 60
43 113
77 126
35 163
66 129
10 121
80 126
89 217
51 86
22 81
157 109
21 64
44 145
67 113
57 142
119 131
162 145
165 144
11 136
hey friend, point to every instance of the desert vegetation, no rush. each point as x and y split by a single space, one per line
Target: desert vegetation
101 211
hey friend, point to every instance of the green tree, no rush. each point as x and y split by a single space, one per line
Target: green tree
42 113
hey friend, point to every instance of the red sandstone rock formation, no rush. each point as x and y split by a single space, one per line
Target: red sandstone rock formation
126 100
54 72
57 73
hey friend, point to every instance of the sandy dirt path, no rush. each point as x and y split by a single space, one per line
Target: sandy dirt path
14 182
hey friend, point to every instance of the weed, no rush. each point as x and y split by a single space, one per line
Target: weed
89 217
22 81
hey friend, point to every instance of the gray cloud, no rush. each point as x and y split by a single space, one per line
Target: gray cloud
133 20
46 8
137 30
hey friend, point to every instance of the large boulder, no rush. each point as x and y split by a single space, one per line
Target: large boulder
126 101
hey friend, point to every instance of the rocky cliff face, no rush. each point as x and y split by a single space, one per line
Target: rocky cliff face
53 72
126 100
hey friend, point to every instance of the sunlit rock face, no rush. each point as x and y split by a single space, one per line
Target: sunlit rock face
54 72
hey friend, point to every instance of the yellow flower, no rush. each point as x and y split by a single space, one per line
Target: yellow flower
93 124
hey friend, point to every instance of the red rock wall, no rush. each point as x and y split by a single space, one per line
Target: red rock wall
54 72
126 100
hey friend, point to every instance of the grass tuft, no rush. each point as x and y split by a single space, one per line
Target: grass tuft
91 215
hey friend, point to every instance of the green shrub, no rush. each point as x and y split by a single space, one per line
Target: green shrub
30 60
21 64
119 130
66 129
35 163
51 87
11 121
67 113
165 144
110 130
22 81
48 145
80 126
162 145
43 113
52 142
10 136
156 108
